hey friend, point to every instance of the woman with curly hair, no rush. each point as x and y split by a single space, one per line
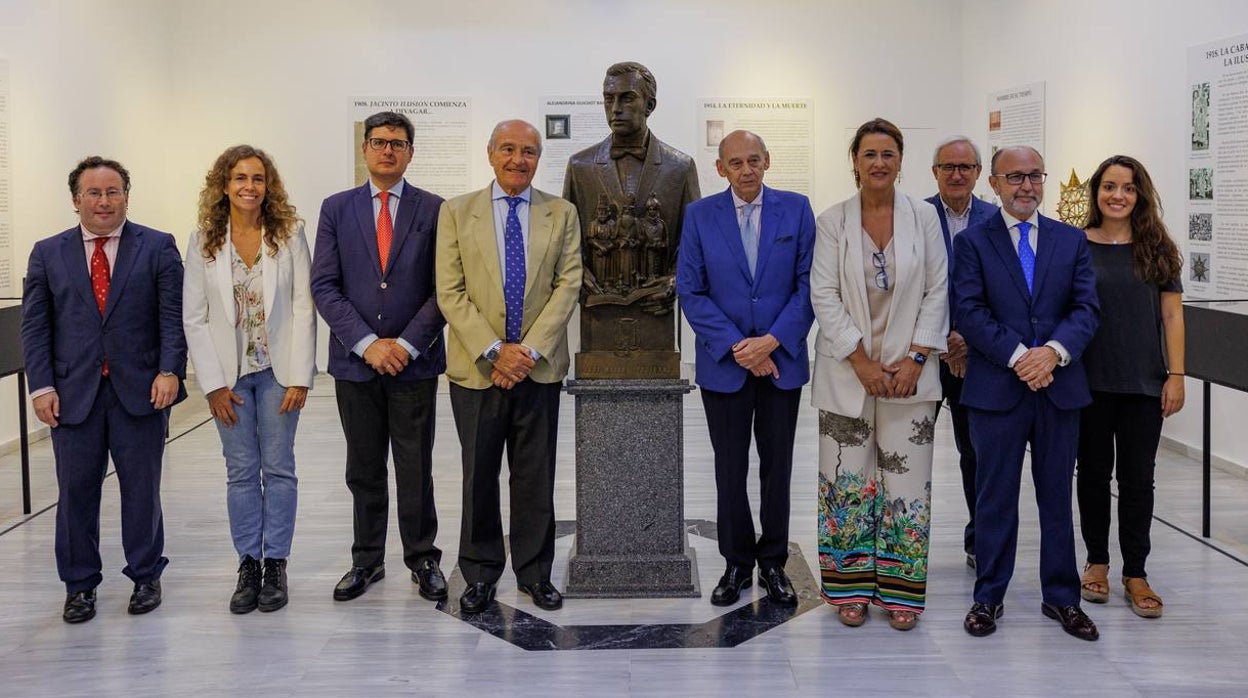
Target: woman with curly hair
251 331
1135 369
877 284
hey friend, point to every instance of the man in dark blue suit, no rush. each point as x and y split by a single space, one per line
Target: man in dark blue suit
1026 303
956 166
372 280
743 276
103 345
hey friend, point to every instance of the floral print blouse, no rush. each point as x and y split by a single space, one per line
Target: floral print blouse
253 338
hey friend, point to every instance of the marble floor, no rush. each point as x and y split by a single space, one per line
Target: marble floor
392 642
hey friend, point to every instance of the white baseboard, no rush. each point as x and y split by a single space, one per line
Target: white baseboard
1229 467
14 445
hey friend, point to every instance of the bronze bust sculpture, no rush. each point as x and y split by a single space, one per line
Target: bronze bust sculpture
630 192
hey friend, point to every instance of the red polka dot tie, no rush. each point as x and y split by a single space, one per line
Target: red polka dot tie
385 229
99 280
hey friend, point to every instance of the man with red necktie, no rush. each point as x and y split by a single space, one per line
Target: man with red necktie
104 349
372 281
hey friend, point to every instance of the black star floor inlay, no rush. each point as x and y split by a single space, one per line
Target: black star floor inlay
730 629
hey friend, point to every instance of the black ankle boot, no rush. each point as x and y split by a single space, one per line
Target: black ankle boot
273 595
247 592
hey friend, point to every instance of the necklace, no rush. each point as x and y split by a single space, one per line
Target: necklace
1108 240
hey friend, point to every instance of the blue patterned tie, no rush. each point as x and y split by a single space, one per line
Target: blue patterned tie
748 239
1026 256
513 278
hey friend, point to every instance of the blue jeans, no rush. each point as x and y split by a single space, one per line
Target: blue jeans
261 487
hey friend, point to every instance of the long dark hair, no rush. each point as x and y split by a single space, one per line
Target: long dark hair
1157 258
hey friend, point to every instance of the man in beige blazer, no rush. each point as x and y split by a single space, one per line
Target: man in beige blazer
508 277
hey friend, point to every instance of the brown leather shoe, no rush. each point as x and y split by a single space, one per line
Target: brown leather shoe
981 620
1074 621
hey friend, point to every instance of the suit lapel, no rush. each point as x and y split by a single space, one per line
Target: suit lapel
768 224
1044 253
541 231
362 205
74 256
223 268
127 251
481 228
730 230
608 179
403 222
268 274
999 237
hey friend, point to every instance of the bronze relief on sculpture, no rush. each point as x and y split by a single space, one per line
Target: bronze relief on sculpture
630 192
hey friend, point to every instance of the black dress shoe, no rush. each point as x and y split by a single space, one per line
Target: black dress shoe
1074 621
274 593
145 599
428 576
730 585
970 561
778 586
79 607
981 620
544 595
357 580
477 597
247 591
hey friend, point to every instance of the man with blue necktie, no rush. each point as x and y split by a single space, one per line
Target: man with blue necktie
743 276
956 166
508 278
1026 304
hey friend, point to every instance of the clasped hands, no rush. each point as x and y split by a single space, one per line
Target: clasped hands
387 356
512 366
754 355
900 379
1035 366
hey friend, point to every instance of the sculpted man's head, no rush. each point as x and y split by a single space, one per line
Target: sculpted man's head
1024 165
514 149
956 166
628 96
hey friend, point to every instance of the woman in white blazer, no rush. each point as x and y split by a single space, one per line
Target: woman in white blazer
251 330
877 284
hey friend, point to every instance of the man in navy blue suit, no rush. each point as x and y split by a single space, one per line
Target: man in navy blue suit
1026 303
103 345
743 276
956 166
372 281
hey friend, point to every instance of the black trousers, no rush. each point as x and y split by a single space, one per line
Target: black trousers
523 423
379 416
771 415
966 450
1118 437
137 445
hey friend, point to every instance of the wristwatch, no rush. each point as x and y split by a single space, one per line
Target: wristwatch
166 374
491 354
919 357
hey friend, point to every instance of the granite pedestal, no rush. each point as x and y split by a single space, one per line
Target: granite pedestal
630 530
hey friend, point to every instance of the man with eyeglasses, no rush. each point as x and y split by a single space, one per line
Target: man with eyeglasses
956 166
104 349
372 280
1025 301
743 278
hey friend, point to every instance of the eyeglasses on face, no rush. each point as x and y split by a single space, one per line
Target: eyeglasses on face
1016 178
881 270
962 168
397 145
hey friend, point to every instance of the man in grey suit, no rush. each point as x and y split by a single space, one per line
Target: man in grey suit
956 166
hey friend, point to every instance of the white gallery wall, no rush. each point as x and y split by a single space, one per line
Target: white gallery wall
166 85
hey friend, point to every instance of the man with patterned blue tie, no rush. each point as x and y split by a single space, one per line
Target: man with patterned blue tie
508 279
1026 304
743 276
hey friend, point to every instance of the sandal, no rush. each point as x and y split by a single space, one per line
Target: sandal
852 614
1137 592
1094 586
902 620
